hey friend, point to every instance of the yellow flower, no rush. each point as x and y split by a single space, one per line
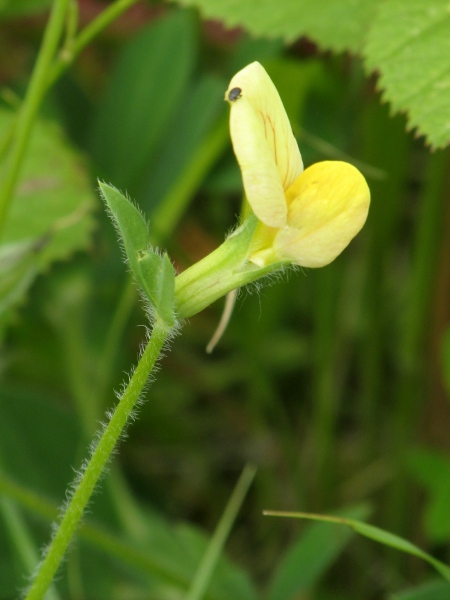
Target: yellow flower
307 217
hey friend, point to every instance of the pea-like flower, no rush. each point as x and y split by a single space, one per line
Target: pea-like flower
305 216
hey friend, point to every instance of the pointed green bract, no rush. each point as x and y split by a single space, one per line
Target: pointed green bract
131 223
154 273
158 276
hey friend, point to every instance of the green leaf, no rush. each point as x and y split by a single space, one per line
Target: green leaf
409 45
374 533
154 273
50 216
310 556
146 86
434 590
334 24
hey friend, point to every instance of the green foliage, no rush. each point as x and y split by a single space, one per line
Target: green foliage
323 380
407 43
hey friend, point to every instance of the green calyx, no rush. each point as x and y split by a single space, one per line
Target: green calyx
222 271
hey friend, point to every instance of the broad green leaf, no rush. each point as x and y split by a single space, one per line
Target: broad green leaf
432 470
334 24
434 590
374 533
306 561
50 216
409 44
145 88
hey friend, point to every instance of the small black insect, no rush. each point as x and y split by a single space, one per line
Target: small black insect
234 94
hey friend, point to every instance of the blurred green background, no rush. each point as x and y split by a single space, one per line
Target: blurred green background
334 383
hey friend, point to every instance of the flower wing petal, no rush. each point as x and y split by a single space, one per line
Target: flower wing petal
328 205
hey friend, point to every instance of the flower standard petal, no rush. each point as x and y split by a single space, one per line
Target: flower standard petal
255 85
262 183
260 131
327 207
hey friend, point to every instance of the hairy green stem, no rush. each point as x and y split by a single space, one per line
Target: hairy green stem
97 462
30 106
